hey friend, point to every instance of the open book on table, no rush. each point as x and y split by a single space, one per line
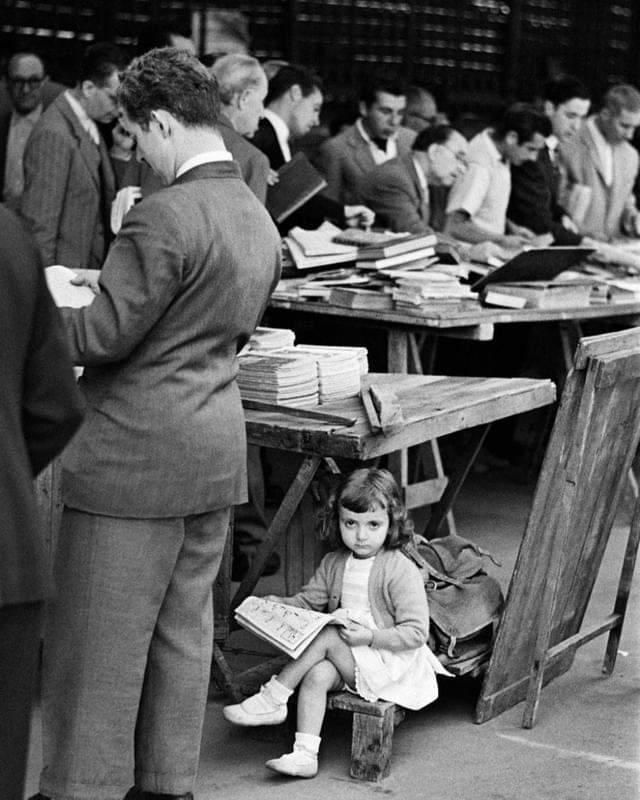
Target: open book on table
289 628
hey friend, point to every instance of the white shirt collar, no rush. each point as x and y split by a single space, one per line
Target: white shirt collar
491 145
422 178
552 142
605 151
282 132
379 156
83 118
208 157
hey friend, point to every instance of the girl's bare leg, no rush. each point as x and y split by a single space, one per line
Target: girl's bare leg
327 646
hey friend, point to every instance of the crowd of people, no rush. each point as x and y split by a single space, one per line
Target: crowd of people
181 279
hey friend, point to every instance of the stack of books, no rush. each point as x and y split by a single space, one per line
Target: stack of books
415 291
539 294
338 369
318 248
271 338
382 250
276 377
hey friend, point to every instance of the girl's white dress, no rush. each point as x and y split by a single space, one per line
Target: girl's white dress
407 677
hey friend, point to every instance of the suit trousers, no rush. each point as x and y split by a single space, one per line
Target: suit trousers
20 630
127 653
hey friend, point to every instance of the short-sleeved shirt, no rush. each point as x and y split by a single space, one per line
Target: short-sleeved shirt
483 190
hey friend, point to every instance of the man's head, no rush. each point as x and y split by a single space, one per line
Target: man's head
295 94
620 114
242 85
566 102
382 104
421 110
25 79
442 153
521 133
99 79
163 94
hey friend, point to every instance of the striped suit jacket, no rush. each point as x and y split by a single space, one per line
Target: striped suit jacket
69 187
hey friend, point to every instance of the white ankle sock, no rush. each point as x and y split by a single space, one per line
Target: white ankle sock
307 742
278 691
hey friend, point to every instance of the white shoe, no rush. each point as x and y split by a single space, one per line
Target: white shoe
299 764
259 709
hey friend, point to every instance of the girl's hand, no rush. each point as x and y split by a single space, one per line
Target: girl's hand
273 598
356 635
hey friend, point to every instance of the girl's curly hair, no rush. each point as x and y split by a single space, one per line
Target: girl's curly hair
363 490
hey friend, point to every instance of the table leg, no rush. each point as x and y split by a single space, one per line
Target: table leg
290 503
457 476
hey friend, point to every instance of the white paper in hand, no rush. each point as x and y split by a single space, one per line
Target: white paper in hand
64 293
122 202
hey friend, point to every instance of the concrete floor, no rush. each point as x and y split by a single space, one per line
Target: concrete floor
584 746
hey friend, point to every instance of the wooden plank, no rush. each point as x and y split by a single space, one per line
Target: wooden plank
424 493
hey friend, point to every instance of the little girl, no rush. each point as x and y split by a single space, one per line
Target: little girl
368 582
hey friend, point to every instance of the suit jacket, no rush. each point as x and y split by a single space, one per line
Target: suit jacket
394 192
254 165
40 408
69 188
533 201
182 289
346 158
49 93
314 211
609 205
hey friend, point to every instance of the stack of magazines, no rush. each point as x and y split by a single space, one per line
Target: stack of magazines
415 291
339 370
271 338
276 377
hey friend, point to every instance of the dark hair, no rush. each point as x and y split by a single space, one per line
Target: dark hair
564 88
436 134
363 490
173 80
100 61
292 75
525 120
380 82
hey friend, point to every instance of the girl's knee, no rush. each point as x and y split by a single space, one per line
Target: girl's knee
322 677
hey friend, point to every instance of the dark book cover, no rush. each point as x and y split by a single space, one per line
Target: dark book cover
298 181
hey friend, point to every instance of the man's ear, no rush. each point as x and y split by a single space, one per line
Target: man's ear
88 88
363 109
511 138
548 108
240 99
164 121
295 92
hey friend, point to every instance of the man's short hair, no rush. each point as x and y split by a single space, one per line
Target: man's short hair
380 82
436 134
415 95
292 75
622 97
235 74
525 120
100 61
173 80
564 88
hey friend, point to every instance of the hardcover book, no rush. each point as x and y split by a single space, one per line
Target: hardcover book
298 181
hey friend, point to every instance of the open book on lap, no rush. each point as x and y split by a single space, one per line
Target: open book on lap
290 628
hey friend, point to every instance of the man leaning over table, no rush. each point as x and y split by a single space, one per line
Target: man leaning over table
477 205
149 481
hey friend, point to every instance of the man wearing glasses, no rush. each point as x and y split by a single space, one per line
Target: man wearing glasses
68 179
20 108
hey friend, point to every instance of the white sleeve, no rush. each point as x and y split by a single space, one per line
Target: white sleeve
469 190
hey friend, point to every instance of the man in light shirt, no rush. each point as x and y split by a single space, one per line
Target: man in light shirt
602 165
69 182
477 205
25 82
374 138
535 185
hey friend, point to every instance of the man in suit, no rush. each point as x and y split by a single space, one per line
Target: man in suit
374 138
28 92
69 181
398 190
602 165
40 408
293 104
242 85
535 185
149 482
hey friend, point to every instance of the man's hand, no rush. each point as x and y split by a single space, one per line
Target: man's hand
356 635
513 241
359 217
569 224
272 177
542 240
87 277
519 230
484 251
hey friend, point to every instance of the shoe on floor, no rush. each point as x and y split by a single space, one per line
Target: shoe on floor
138 794
298 764
259 709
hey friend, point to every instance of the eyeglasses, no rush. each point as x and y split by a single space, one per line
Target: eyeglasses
28 83
429 120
